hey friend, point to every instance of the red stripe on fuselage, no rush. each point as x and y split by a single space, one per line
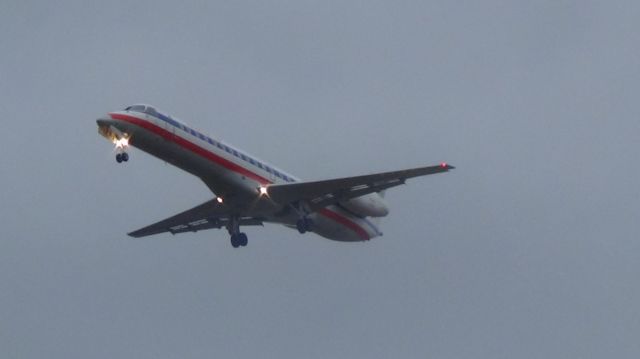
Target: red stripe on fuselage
229 165
345 222
191 146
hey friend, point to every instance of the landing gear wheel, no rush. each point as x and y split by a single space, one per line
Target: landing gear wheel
125 157
239 240
304 225
301 226
119 158
235 241
243 239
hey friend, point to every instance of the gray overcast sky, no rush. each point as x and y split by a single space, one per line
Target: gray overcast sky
528 250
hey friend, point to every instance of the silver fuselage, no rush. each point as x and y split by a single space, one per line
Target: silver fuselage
233 174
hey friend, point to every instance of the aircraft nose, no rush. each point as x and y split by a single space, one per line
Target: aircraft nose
104 121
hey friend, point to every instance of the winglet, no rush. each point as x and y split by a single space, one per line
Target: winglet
447 166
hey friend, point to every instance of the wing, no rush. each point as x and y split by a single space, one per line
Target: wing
210 214
319 194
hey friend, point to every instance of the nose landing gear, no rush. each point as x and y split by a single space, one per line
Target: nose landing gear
122 157
121 147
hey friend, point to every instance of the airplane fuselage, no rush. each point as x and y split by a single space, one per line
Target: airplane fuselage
236 177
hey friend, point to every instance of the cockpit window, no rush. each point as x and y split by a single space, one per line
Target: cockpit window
151 111
136 108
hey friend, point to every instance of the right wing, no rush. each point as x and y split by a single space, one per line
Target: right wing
210 214
319 194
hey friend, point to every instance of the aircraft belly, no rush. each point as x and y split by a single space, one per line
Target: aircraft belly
172 153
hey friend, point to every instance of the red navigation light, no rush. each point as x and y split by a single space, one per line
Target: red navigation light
444 165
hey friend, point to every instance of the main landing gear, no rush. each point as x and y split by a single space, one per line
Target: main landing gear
304 225
238 239
122 157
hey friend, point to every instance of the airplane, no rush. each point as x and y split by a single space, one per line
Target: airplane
248 191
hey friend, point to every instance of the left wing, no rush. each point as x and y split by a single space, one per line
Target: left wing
319 194
210 214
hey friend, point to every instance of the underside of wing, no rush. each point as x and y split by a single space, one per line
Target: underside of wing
208 215
319 194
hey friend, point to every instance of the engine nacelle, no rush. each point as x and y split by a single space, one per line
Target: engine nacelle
369 205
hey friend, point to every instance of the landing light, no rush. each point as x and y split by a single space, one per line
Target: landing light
121 142
263 191
219 199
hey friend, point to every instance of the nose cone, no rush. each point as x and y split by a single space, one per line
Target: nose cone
107 127
103 121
